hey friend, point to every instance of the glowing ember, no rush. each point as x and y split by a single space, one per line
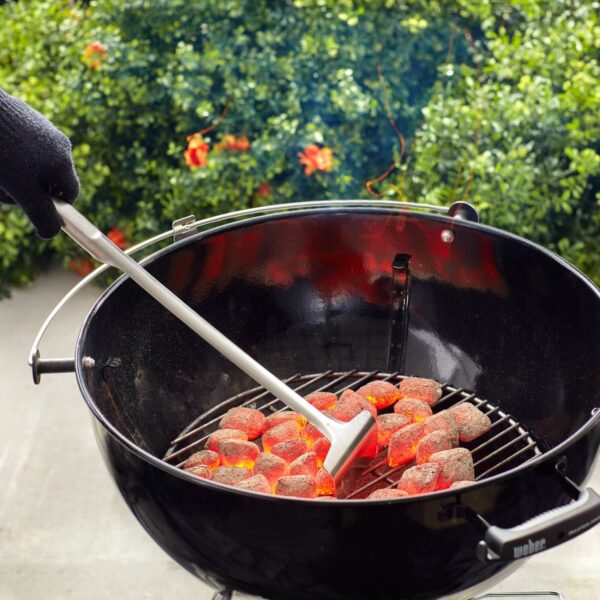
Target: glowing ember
281 417
310 434
325 483
471 421
403 444
322 400
280 433
386 494
443 420
416 410
321 448
249 420
230 475
420 479
237 453
289 450
455 465
202 471
459 484
380 393
357 399
300 486
224 434
256 483
427 390
204 457
387 425
433 442
305 464
271 466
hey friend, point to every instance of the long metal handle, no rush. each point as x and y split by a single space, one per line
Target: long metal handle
100 247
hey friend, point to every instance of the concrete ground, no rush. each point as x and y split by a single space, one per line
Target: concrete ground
64 530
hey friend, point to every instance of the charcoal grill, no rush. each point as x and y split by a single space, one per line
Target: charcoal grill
346 291
504 446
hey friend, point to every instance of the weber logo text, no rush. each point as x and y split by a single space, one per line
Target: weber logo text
530 547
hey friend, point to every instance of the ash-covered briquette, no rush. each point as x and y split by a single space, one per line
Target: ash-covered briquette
202 471
322 400
413 408
256 483
455 465
305 464
420 388
280 433
380 393
325 483
300 486
231 475
445 421
386 493
271 466
403 444
224 434
282 417
470 420
249 420
421 479
310 434
344 411
433 442
237 453
349 396
289 450
459 484
387 425
321 448
203 457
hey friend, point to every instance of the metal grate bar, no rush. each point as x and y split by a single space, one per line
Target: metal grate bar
506 442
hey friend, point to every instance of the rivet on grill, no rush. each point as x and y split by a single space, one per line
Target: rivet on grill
88 362
447 236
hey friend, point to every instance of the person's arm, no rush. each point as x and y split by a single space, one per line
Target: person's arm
35 164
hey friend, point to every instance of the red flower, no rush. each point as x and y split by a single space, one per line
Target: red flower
316 159
196 154
94 54
117 237
81 266
234 144
242 144
265 190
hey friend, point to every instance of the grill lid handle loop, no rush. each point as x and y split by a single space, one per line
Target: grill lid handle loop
542 532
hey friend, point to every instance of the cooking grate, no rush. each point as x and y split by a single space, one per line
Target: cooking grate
506 445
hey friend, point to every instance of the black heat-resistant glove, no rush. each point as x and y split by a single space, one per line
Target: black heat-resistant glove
35 164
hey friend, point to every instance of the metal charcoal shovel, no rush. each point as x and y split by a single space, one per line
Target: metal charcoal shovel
349 441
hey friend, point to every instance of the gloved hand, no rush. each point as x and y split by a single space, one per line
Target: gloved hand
35 164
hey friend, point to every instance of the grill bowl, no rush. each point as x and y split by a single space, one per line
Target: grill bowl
312 290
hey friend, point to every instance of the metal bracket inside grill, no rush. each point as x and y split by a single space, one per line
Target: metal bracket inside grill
506 445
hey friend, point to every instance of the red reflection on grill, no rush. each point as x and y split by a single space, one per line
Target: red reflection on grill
322 400
455 465
427 390
208 458
403 444
224 434
256 483
380 393
386 493
305 464
280 433
470 420
249 420
420 479
271 466
433 442
445 421
289 450
237 453
282 417
416 410
387 425
325 483
230 475
301 486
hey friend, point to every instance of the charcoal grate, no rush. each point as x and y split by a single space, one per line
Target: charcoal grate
506 445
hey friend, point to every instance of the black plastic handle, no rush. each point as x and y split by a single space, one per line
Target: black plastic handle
542 532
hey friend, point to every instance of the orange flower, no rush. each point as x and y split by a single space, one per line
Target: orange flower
94 54
196 154
234 144
81 266
265 190
242 144
117 237
316 159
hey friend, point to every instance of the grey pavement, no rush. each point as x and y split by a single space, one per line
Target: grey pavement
64 530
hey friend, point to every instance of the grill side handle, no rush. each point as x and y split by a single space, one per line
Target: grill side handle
542 532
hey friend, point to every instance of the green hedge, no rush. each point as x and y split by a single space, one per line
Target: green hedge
498 106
